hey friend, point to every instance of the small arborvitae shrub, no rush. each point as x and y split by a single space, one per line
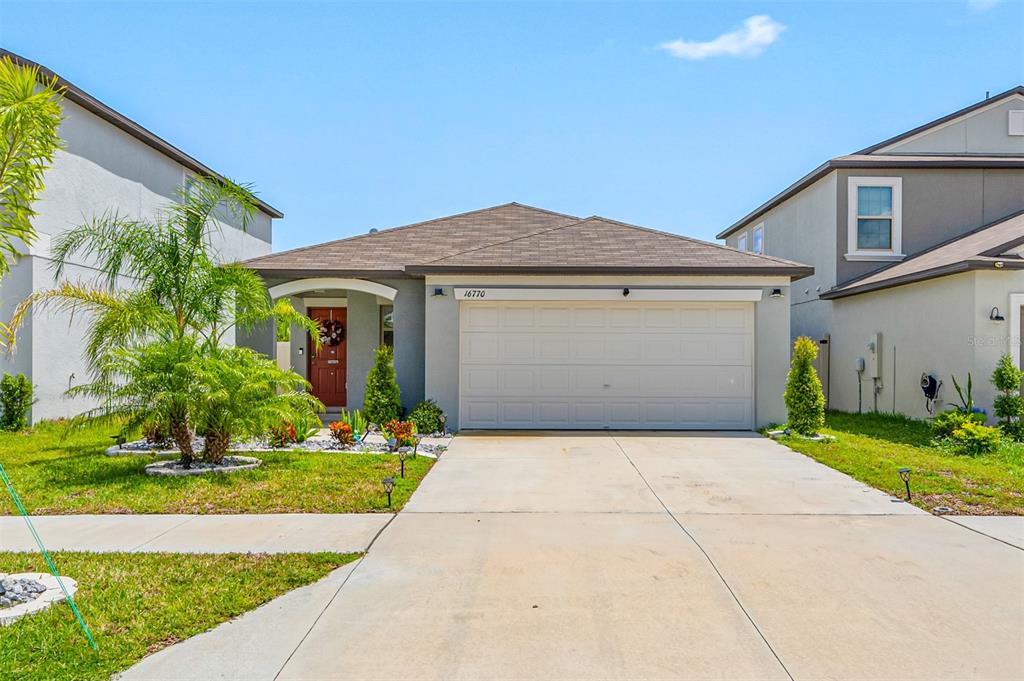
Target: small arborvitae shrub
946 422
1008 405
973 439
15 401
383 401
805 401
1013 430
428 417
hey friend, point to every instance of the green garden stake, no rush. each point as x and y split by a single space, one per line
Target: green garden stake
46 554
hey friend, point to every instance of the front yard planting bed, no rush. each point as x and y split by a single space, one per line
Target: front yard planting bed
871 447
55 474
136 604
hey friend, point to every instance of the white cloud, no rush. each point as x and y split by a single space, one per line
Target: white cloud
982 5
757 33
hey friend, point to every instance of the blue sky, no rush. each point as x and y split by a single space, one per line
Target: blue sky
351 116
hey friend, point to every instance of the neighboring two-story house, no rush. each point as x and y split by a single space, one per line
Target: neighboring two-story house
108 164
916 246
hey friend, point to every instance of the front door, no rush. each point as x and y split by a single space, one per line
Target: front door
327 371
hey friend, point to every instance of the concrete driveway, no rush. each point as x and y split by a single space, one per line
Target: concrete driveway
661 556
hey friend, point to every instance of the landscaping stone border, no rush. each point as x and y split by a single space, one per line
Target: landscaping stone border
231 464
41 602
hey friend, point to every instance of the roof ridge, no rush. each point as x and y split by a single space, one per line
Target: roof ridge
391 230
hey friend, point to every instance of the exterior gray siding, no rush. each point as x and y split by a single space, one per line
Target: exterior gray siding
937 206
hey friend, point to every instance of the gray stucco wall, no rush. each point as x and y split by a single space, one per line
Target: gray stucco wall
363 338
984 132
409 338
937 205
101 170
771 363
939 327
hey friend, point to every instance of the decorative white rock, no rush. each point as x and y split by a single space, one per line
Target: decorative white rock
41 602
231 464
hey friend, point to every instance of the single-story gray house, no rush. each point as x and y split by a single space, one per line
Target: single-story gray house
518 317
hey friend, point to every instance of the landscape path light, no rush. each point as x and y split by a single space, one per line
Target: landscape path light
389 486
905 477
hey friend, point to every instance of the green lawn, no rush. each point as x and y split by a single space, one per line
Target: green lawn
871 447
55 474
136 604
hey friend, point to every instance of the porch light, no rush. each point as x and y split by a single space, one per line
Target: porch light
438 292
776 293
389 486
995 316
905 477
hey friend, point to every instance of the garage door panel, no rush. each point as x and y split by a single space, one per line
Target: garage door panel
600 364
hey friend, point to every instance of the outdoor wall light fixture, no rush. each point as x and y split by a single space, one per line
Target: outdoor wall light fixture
776 293
438 292
995 316
905 477
625 292
389 486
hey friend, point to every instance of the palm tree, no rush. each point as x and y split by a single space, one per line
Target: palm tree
30 114
159 282
242 393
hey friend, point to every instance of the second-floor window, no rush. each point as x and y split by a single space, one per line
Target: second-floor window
874 217
757 239
741 242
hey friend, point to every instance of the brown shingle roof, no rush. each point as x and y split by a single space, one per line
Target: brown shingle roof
598 244
979 249
523 239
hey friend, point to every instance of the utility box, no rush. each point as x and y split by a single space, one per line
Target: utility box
874 356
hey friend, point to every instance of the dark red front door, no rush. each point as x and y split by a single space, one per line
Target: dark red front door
327 366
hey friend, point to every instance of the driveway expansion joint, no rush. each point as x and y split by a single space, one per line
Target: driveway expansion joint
711 562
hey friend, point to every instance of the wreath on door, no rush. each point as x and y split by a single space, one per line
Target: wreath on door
332 332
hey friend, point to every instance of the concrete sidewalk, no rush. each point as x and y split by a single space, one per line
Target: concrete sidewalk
269 533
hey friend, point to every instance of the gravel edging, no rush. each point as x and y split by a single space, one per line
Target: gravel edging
231 464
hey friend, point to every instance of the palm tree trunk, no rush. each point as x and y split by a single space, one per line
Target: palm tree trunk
182 436
217 442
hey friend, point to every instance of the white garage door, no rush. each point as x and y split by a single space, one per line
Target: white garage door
606 365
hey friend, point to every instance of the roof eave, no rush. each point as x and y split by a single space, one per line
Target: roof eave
926 275
94 106
311 273
1012 162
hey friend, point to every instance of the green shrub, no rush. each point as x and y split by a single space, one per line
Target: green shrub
1013 430
383 401
15 401
1008 405
428 417
946 422
965 393
805 402
973 439
355 421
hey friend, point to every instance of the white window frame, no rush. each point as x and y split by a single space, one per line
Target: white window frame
894 253
758 229
741 242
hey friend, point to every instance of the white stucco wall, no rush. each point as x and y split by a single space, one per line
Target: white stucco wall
771 329
940 327
100 171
